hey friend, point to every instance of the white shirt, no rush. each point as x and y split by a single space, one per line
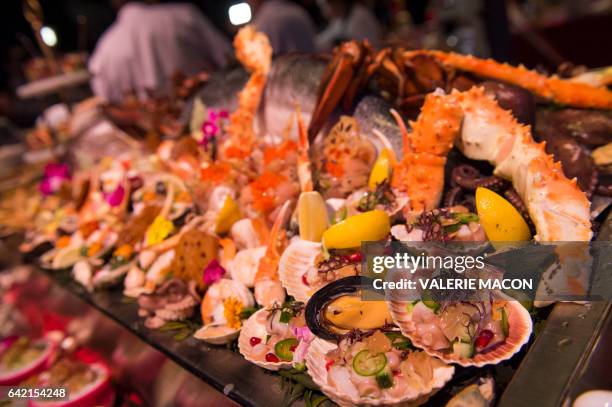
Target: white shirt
360 25
288 26
147 44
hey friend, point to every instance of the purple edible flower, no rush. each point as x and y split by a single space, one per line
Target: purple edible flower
213 272
53 177
209 130
116 197
214 115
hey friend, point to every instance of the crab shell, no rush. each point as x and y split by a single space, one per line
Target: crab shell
316 361
297 259
256 326
520 328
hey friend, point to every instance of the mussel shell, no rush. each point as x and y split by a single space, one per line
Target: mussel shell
315 308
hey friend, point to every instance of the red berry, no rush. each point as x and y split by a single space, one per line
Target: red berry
254 341
483 339
305 280
329 364
272 358
355 257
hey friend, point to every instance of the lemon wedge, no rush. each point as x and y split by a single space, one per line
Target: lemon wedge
228 215
381 169
368 226
312 216
66 257
501 221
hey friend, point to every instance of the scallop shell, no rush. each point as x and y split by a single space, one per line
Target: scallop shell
520 326
229 335
296 260
316 361
215 295
255 326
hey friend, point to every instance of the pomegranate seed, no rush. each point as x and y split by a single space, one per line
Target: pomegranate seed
254 341
355 257
483 339
329 364
271 357
396 373
293 348
305 280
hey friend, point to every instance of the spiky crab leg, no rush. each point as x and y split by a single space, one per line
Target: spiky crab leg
559 90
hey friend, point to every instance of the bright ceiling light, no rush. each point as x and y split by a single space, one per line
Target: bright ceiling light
48 36
240 13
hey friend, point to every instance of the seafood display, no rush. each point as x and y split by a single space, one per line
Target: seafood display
246 222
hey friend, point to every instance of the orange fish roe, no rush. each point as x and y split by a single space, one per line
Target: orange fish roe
94 249
334 169
183 196
124 251
88 228
215 173
236 152
279 152
263 190
149 196
62 242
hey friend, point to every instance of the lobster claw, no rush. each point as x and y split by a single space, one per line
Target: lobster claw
337 79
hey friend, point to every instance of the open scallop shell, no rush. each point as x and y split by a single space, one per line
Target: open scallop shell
256 326
216 334
316 361
520 328
212 311
297 259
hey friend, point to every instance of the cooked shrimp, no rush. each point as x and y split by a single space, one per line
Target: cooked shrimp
268 289
569 92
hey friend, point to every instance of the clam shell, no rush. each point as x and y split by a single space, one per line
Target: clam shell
297 259
254 326
204 334
316 361
520 326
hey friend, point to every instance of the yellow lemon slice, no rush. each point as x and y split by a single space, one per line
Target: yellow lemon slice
312 216
501 221
228 215
367 226
381 169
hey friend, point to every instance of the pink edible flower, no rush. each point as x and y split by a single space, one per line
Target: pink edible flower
214 115
55 174
304 336
210 130
302 333
213 272
116 197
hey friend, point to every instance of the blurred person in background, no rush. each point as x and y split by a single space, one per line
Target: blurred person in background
148 43
347 20
287 24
